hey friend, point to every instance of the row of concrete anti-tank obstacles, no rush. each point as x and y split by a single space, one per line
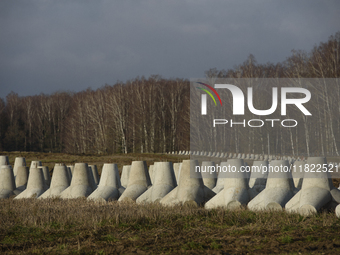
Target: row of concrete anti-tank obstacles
179 183
224 155
233 155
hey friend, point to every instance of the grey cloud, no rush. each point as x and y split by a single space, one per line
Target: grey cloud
46 46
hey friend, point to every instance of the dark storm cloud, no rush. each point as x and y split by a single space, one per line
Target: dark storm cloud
46 46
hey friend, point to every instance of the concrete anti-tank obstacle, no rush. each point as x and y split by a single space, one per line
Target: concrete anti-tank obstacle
258 177
177 170
4 160
139 182
164 182
35 164
125 175
19 161
7 183
337 211
109 187
71 168
82 183
47 175
297 173
151 173
21 179
60 181
190 190
316 189
235 193
209 174
220 178
36 185
279 188
95 173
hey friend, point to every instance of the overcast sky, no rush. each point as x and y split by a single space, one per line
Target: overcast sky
59 45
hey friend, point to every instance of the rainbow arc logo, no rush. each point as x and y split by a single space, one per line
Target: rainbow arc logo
204 97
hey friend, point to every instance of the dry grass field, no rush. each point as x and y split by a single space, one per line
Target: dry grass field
55 226
78 226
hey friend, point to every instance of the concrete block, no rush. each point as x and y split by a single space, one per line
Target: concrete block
109 187
235 193
4 160
82 183
21 179
177 170
47 175
209 176
189 190
60 181
95 173
164 182
316 189
279 189
139 181
258 177
35 185
19 161
7 183
125 175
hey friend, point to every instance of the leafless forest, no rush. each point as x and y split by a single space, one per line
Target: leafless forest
153 114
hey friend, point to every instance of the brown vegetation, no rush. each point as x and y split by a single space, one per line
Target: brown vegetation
79 226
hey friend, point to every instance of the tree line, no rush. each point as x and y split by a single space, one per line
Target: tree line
153 114
141 115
